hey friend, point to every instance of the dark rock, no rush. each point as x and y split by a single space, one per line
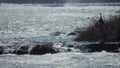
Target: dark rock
70 46
10 49
69 50
42 49
56 33
1 50
103 47
22 50
72 33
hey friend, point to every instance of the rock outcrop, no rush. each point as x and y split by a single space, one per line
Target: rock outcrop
114 48
42 49
22 50
1 50
57 33
59 47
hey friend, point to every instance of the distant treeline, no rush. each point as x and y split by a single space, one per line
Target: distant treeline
54 1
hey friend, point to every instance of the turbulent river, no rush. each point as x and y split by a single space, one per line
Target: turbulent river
35 22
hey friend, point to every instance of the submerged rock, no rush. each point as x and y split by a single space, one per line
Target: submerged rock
56 33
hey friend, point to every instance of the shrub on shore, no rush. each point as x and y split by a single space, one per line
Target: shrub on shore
102 30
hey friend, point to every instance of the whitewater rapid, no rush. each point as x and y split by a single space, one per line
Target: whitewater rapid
27 23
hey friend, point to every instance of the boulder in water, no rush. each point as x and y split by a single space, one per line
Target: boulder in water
22 50
11 48
61 47
115 48
71 34
42 49
1 50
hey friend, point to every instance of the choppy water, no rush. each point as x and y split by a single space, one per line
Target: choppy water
61 60
36 22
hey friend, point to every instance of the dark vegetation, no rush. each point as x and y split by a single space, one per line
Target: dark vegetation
107 32
102 30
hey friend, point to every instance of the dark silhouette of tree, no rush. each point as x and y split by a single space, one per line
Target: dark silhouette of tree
102 30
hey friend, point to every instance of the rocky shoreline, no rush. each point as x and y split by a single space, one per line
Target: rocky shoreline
59 47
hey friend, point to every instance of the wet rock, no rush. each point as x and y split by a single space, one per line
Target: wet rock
1 50
103 47
61 47
70 46
71 34
10 49
42 49
56 33
22 50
